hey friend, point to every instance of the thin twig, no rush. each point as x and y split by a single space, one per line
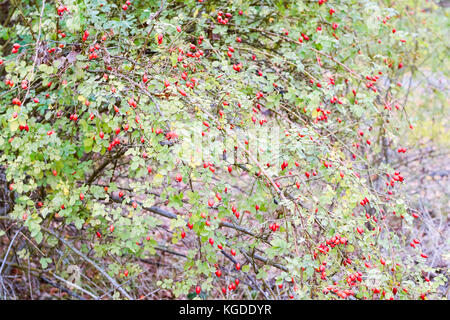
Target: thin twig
101 270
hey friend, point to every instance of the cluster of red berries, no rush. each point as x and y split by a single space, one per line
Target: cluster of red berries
189 83
223 18
322 115
171 135
274 226
371 83
61 9
321 270
353 279
209 165
73 117
24 84
236 213
347 261
15 48
327 164
303 37
414 242
17 102
230 51
232 286
336 240
324 248
93 51
340 293
396 177
132 103
333 100
85 35
125 6
61 34
364 201
237 67
24 127
193 53
115 142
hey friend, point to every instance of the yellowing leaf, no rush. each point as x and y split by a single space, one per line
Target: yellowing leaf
13 126
157 179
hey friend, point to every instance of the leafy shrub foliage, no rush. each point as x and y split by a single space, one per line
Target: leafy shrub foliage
251 140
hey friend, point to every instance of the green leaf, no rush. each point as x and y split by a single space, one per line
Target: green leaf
44 262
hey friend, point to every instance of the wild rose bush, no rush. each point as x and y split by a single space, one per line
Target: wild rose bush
252 141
